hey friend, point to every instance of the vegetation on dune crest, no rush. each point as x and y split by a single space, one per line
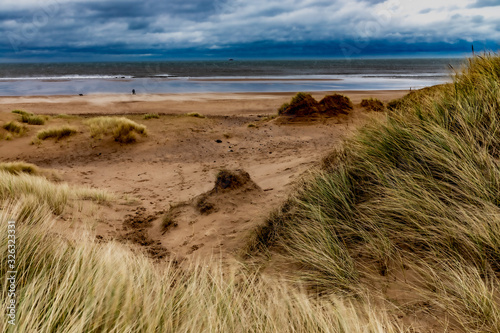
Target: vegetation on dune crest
303 105
57 133
122 129
14 127
418 192
373 104
21 112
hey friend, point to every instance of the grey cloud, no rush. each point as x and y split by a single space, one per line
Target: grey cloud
152 25
198 9
138 25
477 19
485 3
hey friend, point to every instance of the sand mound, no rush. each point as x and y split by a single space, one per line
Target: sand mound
301 105
373 104
219 216
304 105
230 180
236 181
332 105
225 181
228 184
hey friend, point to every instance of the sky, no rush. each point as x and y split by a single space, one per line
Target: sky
114 30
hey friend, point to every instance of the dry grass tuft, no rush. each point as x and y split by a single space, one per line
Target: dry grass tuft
89 287
56 132
195 114
16 186
32 119
19 167
373 104
21 112
168 221
151 116
122 129
14 127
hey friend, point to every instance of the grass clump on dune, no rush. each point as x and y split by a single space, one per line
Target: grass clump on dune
373 104
303 105
19 167
7 136
21 112
16 186
419 192
195 114
56 132
151 116
89 287
32 119
122 129
14 127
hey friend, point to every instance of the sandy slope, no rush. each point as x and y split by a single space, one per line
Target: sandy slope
179 160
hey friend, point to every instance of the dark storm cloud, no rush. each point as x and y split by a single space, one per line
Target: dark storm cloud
197 9
138 25
216 27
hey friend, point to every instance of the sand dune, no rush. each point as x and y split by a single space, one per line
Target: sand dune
179 159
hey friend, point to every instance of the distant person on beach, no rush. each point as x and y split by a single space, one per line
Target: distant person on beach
133 91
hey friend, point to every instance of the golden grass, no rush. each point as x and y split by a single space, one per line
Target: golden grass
32 119
373 104
56 132
14 127
19 167
195 114
21 112
56 196
89 287
414 201
418 191
151 116
122 129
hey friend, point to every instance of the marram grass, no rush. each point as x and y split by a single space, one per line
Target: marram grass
57 133
419 194
19 167
122 129
421 189
90 287
16 186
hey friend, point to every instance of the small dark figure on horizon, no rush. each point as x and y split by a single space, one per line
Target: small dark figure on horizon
133 91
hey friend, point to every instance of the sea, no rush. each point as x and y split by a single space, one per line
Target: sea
230 75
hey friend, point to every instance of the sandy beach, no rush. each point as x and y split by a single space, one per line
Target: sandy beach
178 161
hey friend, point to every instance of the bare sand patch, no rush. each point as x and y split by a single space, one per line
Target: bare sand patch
179 159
